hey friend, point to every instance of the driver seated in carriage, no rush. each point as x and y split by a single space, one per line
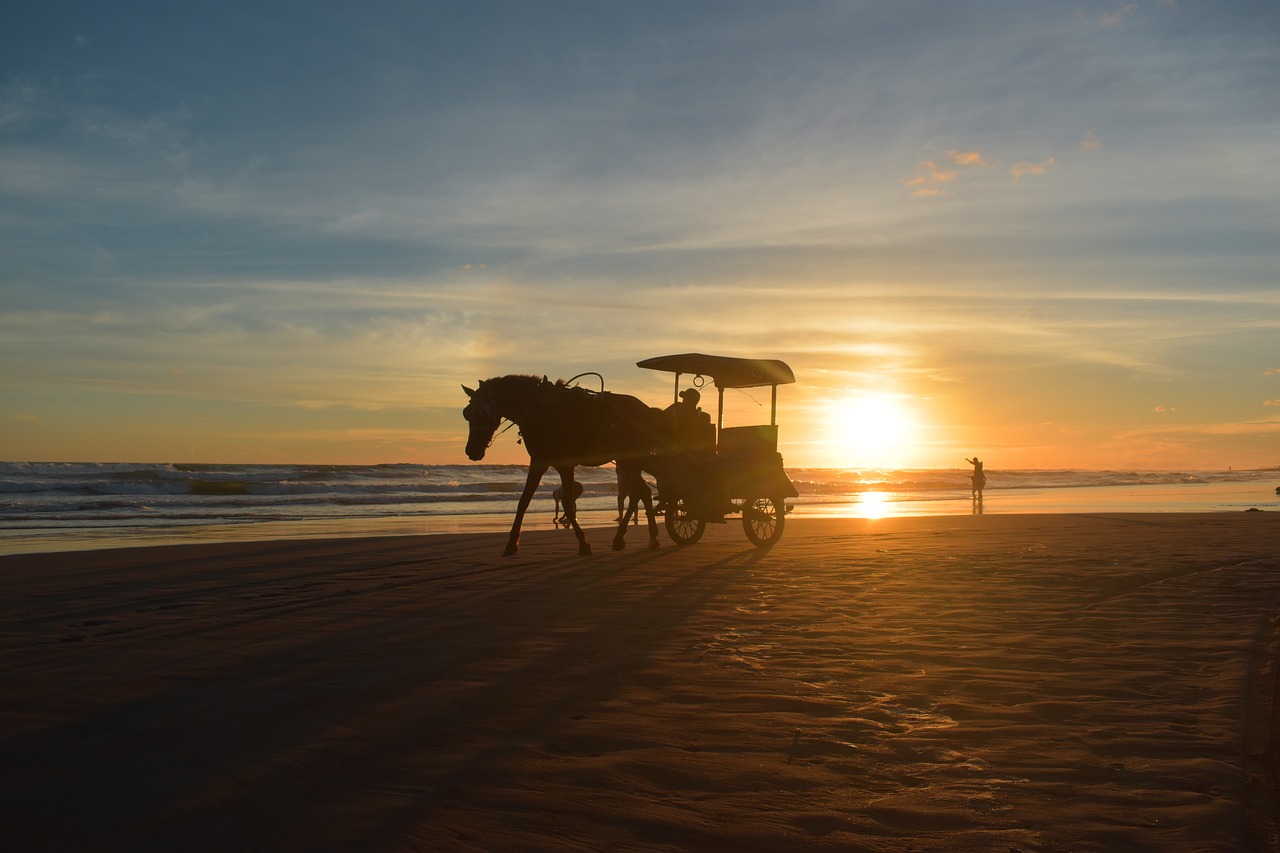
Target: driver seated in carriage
695 474
690 427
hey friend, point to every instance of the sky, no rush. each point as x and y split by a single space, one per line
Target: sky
287 232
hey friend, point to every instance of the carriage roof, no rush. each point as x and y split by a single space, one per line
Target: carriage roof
726 371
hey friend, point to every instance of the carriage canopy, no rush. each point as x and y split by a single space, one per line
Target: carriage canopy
726 371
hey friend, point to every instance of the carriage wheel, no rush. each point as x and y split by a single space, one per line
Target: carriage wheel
683 528
762 519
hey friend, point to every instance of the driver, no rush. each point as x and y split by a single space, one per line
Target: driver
690 426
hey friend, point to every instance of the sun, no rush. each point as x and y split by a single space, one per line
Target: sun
871 431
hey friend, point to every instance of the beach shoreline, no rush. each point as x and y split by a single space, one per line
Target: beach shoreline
1166 498
1019 681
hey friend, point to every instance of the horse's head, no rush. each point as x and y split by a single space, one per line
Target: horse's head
482 414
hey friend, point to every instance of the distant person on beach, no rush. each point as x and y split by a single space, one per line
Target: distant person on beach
979 479
558 497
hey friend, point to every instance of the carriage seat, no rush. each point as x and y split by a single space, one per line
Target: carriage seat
749 440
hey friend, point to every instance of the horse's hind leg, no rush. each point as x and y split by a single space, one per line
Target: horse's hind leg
653 523
620 538
627 477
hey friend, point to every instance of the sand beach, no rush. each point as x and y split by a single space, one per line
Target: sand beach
1002 682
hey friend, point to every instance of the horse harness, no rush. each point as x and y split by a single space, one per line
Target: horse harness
487 408
556 398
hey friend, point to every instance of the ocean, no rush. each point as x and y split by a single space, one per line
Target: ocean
64 506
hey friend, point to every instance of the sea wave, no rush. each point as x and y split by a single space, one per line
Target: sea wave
33 492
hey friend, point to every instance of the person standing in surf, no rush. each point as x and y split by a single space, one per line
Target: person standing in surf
979 478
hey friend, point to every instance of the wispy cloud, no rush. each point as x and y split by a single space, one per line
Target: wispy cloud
21 102
1090 142
966 158
1026 167
931 178
1110 19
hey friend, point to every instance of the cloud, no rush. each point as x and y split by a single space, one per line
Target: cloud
1165 409
929 174
1271 402
1271 371
1110 19
966 158
1090 142
1026 167
21 103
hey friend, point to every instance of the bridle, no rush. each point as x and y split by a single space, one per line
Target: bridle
488 418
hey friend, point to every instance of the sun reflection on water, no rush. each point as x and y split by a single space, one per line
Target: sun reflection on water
872 505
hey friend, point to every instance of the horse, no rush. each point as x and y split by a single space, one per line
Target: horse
563 427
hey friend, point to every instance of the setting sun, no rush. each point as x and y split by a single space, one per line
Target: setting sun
871 431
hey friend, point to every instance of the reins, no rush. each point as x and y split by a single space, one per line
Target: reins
494 437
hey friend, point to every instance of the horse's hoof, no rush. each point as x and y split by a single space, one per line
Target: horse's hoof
511 551
619 544
653 545
585 550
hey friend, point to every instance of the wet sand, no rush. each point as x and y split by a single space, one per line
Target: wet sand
998 682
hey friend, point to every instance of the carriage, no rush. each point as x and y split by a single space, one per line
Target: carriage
710 471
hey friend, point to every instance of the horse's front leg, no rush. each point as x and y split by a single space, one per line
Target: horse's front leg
622 493
571 509
530 486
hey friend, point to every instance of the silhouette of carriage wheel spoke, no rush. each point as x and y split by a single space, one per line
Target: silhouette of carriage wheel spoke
763 519
683 528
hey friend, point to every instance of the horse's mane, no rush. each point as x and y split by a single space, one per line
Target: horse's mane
516 386
522 378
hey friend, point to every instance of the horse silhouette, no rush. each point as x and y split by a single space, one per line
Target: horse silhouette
563 427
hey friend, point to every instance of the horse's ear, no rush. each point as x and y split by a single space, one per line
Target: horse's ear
470 393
